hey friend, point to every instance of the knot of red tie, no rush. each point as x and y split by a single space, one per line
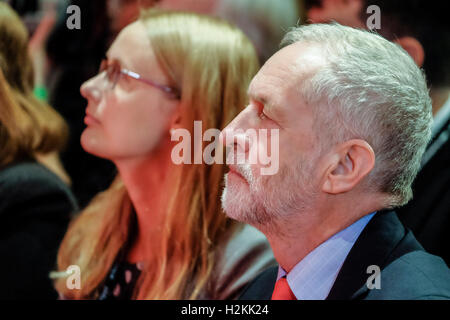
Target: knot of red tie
282 291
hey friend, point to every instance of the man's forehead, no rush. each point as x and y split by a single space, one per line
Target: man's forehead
286 68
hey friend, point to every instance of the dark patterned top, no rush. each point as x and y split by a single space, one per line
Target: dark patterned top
120 283
121 280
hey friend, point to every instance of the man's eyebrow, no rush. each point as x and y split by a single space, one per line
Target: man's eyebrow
268 105
257 97
271 107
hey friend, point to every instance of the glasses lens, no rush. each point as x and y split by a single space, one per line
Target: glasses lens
112 70
103 66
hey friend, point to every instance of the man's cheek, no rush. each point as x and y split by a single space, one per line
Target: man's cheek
266 152
253 158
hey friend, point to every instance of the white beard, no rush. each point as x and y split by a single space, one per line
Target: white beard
268 201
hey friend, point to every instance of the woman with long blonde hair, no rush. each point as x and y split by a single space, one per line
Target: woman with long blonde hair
159 231
35 200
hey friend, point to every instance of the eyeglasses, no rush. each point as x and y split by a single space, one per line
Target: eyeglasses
114 71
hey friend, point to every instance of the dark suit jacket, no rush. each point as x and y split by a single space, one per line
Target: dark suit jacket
428 213
35 207
407 271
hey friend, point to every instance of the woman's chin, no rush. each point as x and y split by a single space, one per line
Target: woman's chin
91 143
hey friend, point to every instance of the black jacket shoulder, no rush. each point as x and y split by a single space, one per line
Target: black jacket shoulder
408 272
29 180
416 275
35 209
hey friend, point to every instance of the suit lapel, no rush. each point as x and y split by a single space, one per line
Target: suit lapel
374 246
262 287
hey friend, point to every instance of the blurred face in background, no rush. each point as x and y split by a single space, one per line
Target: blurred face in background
198 6
346 12
128 118
124 12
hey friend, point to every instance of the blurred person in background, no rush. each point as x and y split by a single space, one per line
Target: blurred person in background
123 12
74 56
159 232
264 21
35 200
421 27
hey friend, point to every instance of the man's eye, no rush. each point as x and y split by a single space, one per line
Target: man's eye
262 116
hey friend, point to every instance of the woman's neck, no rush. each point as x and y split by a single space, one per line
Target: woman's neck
144 179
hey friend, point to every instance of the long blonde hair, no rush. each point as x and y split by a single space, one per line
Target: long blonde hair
212 63
27 125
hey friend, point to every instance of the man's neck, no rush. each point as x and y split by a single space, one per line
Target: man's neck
299 238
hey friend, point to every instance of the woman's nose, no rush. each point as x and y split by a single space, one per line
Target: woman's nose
91 89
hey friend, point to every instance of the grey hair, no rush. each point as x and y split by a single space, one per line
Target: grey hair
370 89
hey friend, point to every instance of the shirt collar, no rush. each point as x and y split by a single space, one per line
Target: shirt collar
313 277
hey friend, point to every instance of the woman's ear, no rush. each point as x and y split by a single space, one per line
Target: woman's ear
175 119
414 48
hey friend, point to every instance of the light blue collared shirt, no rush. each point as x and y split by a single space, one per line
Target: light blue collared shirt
313 277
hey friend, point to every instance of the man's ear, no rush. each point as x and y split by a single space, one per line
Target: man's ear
414 48
347 166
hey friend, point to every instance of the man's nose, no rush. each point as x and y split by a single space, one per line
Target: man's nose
234 135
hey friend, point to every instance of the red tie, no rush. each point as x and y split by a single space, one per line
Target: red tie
282 291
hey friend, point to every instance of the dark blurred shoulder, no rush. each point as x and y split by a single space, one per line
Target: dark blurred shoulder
29 182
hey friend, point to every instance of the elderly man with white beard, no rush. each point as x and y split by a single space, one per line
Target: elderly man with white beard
353 115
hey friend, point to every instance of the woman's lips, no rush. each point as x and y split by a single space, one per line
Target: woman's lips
90 120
